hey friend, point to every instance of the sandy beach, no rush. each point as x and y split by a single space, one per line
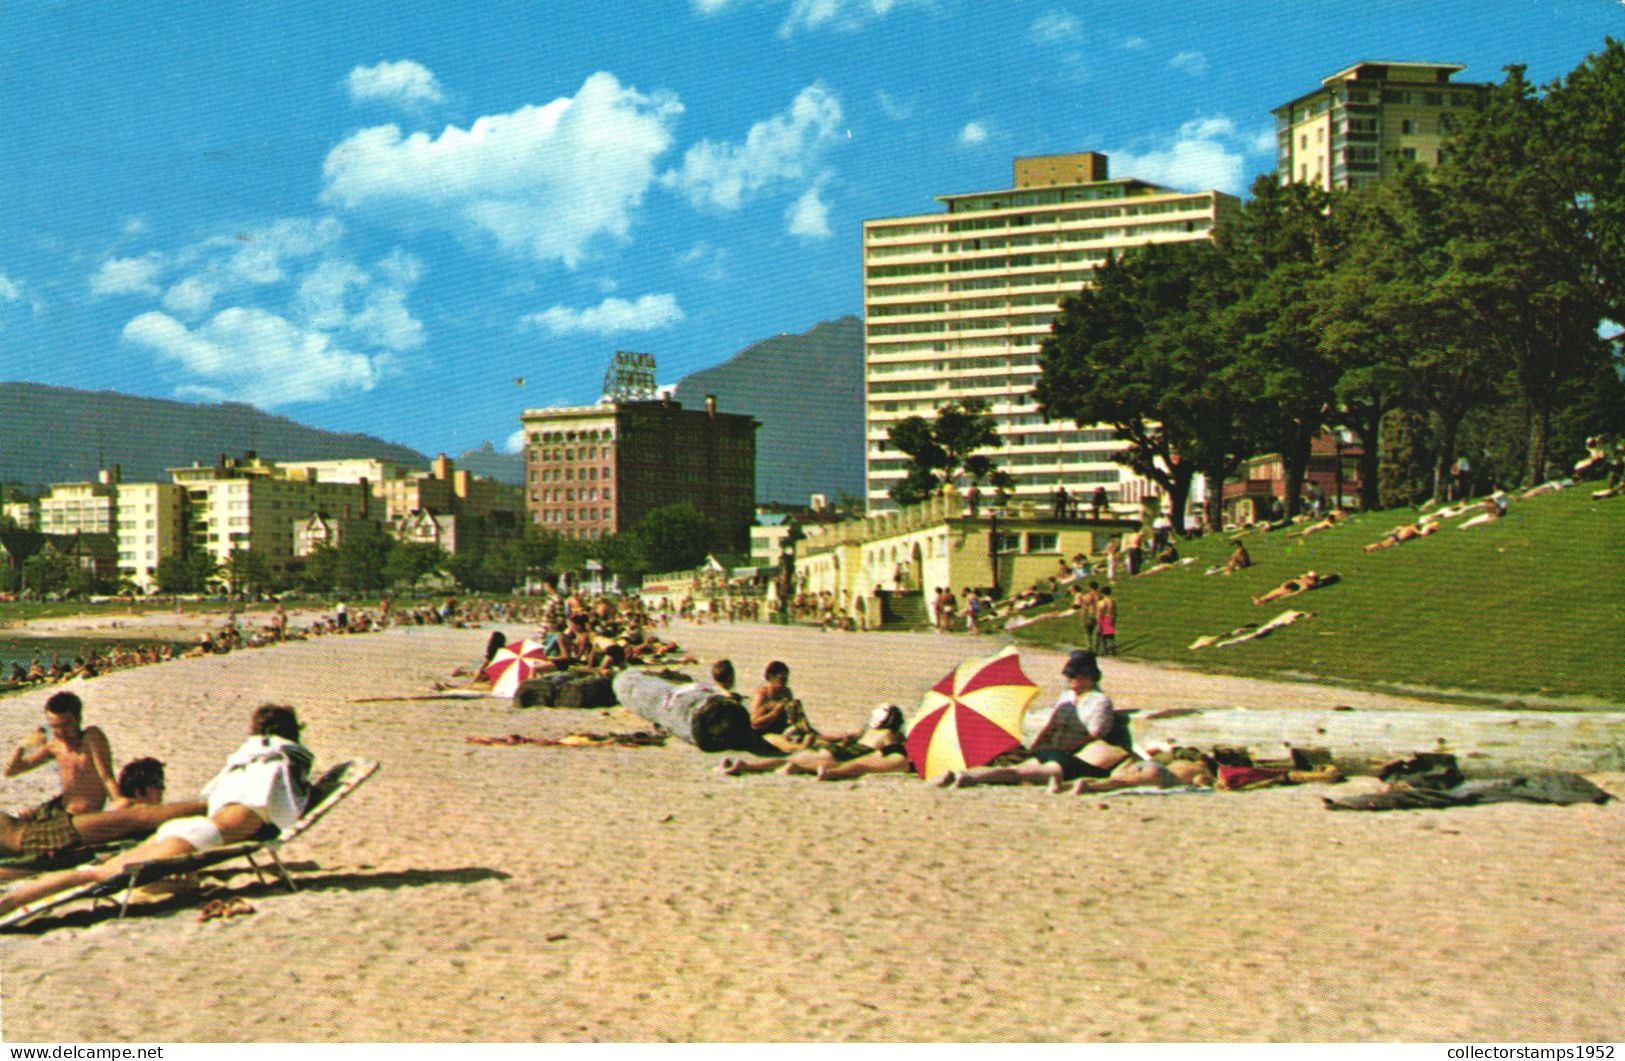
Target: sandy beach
530 893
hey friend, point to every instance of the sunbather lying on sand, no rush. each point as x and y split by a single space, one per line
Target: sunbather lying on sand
1302 584
139 809
1140 773
876 749
1084 737
265 782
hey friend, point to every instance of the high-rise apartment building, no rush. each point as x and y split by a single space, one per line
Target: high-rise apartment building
1364 122
595 470
255 505
151 524
957 303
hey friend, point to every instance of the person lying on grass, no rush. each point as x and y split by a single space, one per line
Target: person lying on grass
139 808
878 748
1302 584
265 782
1400 535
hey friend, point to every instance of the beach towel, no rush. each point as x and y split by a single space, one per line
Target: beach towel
639 739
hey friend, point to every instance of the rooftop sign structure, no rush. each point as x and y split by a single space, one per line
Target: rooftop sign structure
630 378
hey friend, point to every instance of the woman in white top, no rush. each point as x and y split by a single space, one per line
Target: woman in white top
265 782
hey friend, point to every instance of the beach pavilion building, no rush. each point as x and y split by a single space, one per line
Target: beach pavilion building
956 305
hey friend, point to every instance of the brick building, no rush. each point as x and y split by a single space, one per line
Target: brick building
595 470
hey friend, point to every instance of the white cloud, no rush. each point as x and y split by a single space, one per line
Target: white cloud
542 181
134 226
808 216
191 297
404 83
9 291
1135 44
1053 27
783 148
1263 142
841 14
1205 153
339 296
127 276
896 109
972 134
609 317
711 263
1192 63
260 255
254 356
515 443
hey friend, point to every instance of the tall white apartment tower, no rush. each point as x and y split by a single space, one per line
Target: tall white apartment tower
957 303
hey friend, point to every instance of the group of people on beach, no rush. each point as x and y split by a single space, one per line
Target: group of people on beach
263 787
1085 744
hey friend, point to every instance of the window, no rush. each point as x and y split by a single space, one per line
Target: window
1042 543
1407 126
1408 153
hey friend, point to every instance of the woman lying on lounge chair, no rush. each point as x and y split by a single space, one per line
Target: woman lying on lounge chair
876 749
265 783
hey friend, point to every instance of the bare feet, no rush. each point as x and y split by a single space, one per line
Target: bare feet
947 779
1054 786
732 767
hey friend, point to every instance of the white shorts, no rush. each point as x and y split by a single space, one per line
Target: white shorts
200 832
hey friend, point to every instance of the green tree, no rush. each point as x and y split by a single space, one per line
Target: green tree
1272 253
1588 119
11 579
48 571
245 571
186 573
940 451
675 537
1136 350
1403 475
409 563
1525 260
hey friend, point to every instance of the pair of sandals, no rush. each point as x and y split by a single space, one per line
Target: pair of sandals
235 906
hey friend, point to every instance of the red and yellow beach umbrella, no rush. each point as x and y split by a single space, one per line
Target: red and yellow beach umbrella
971 716
514 663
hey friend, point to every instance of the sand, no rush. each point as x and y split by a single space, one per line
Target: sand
495 893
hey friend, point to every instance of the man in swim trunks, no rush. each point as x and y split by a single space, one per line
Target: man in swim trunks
83 758
1085 736
139 808
265 783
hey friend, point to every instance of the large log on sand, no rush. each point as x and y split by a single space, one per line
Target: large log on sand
710 722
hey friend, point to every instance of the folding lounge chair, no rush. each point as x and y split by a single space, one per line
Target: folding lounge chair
331 789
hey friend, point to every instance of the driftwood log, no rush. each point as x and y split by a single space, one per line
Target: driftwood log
710 722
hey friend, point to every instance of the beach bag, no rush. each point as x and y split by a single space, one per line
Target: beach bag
585 690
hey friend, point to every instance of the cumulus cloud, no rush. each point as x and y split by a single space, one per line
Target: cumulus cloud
1135 44
134 226
808 216
841 14
127 276
609 317
784 148
972 134
9 290
1205 153
191 297
403 83
544 182
897 110
711 263
515 443
1192 63
1053 27
338 296
255 356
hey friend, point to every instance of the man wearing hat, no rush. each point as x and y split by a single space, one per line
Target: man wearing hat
1084 738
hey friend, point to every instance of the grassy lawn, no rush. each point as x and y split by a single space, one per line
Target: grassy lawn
1530 606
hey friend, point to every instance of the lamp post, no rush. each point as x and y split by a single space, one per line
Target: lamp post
993 548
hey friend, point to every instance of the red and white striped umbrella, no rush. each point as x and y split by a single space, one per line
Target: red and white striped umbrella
512 664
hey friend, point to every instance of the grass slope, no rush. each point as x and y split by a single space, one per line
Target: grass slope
1532 605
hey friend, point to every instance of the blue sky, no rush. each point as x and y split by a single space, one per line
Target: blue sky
375 216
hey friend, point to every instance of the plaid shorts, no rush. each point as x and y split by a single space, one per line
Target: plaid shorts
50 831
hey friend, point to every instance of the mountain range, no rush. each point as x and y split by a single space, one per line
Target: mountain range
806 390
61 435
